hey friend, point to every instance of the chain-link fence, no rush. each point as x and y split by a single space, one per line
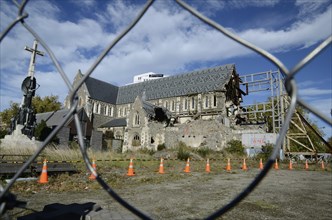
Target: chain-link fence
290 85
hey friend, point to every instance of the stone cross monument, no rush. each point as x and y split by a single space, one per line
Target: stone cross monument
26 117
23 125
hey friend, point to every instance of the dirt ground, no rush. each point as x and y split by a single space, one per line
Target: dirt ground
283 194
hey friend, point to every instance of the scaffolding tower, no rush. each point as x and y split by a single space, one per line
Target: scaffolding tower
272 111
268 82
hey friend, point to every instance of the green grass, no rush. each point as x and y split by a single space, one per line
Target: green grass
145 165
115 174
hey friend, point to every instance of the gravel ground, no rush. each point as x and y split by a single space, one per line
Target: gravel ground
283 194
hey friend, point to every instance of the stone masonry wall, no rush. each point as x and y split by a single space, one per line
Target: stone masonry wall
201 133
96 142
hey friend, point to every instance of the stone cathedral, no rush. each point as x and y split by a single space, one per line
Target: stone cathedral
165 110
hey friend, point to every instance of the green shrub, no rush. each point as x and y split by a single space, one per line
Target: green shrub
73 145
42 132
147 151
108 135
203 152
266 151
3 133
235 147
183 151
161 147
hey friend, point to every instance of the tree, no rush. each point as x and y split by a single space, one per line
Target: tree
266 151
7 114
42 131
40 105
235 147
46 104
3 133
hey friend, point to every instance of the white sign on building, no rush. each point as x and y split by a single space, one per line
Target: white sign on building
258 140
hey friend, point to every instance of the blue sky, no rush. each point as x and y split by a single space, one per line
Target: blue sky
167 40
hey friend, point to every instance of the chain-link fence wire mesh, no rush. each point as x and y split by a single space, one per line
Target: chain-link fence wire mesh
290 85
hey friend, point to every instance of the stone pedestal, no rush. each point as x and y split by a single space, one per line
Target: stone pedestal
18 140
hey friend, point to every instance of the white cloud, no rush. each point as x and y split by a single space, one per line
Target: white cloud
84 3
314 90
325 107
307 83
310 92
300 34
316 94
51 80
252 3
43 8
119 13
209 7
6 100
308 8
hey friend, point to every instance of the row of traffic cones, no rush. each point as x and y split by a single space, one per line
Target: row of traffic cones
290 166
244 165
131 172
44 176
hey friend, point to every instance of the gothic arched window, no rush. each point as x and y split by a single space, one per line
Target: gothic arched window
206 101
94 107
136 140
112 111
99 109
107 110
214 101
136 119
173 105
185 104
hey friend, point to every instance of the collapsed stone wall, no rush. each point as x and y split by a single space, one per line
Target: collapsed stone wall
204 133
213 134
155 134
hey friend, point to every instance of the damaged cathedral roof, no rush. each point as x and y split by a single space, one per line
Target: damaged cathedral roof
116 122
102 91
200 81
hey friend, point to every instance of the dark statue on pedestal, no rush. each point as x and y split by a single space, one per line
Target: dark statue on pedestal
26 117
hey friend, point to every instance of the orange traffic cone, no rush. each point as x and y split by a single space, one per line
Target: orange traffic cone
43 176
290 167
131 169
92 176
276 166
161 166
228 167
207 168
187 169
306 166
261 164
244 166
323 166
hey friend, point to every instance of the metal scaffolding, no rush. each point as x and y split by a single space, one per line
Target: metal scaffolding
272 111
271 83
